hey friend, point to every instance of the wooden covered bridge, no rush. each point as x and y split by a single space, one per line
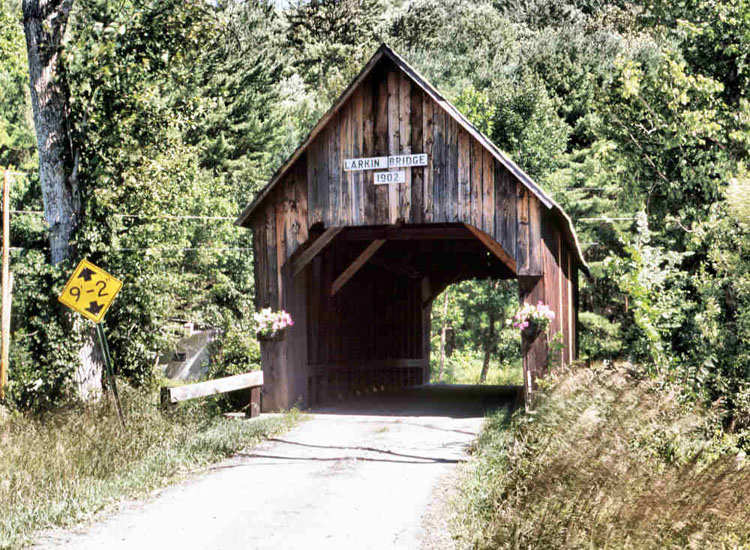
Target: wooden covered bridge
392 197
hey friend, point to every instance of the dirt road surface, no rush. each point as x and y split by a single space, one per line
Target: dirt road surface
371 474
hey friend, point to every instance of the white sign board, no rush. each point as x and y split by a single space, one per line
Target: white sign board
406 161
382 178
383 163
374 163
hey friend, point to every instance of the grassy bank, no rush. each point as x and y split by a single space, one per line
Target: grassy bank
606 461
63 467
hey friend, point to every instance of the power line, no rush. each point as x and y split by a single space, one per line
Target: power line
157 248
604 219
141 216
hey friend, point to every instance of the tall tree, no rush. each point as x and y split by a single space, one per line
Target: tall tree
45 22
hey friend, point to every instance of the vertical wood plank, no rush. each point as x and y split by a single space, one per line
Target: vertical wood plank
394 141
381 148
324 189
289 211
451 171
404 136
571 309
464 176
334 172
260 251
368 150
357 194
522 230
488 192
280 238
272 282
535 236
505 208
428 137
438 163
476 183
531 291
417 146
300 197
345 148
313 197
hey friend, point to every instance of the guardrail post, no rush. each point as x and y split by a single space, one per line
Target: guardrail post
254 409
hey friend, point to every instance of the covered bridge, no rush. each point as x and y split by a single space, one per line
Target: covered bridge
392 197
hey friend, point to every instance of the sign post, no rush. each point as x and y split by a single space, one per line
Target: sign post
6 286
90 291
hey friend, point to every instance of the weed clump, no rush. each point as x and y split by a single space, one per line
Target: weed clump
606 460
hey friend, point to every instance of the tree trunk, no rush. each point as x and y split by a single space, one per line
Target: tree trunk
44 23
442 336
489 344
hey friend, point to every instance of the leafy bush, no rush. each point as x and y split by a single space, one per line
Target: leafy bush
236 351
600 338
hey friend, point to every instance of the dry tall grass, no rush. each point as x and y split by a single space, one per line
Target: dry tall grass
64 466
606 461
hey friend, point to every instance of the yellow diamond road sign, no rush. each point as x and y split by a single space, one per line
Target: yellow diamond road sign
90 291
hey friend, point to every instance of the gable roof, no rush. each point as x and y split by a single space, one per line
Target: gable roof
384 51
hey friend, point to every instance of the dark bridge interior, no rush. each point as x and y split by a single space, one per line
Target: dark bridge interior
372 332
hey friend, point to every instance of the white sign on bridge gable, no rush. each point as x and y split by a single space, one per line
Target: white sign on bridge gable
383 163
374 163
390 177
406 161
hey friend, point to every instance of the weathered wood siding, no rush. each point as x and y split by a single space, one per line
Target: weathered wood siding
390 115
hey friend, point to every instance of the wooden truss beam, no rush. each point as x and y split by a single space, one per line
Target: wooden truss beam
355 266
314 249
408 233
494 247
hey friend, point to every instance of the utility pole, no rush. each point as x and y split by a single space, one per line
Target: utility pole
6 284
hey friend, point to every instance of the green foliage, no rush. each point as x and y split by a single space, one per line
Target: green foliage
599 338
471 306
330 40
17 144
651 278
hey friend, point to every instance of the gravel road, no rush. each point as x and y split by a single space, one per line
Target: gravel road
371 474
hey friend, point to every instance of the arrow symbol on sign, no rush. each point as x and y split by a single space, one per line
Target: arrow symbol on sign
86 274
94 308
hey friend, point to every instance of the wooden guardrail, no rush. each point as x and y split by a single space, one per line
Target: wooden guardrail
252 380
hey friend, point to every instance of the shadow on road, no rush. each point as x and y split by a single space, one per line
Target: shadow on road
454 401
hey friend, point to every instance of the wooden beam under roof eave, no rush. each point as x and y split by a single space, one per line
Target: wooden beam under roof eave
493 246
314 249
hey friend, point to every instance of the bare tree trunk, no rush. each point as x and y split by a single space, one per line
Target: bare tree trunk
442 336
44 23
489 344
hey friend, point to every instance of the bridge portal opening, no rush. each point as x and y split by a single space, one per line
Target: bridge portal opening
472 340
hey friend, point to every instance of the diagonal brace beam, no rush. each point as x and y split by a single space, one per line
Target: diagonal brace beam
314 249
493 247
355 266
